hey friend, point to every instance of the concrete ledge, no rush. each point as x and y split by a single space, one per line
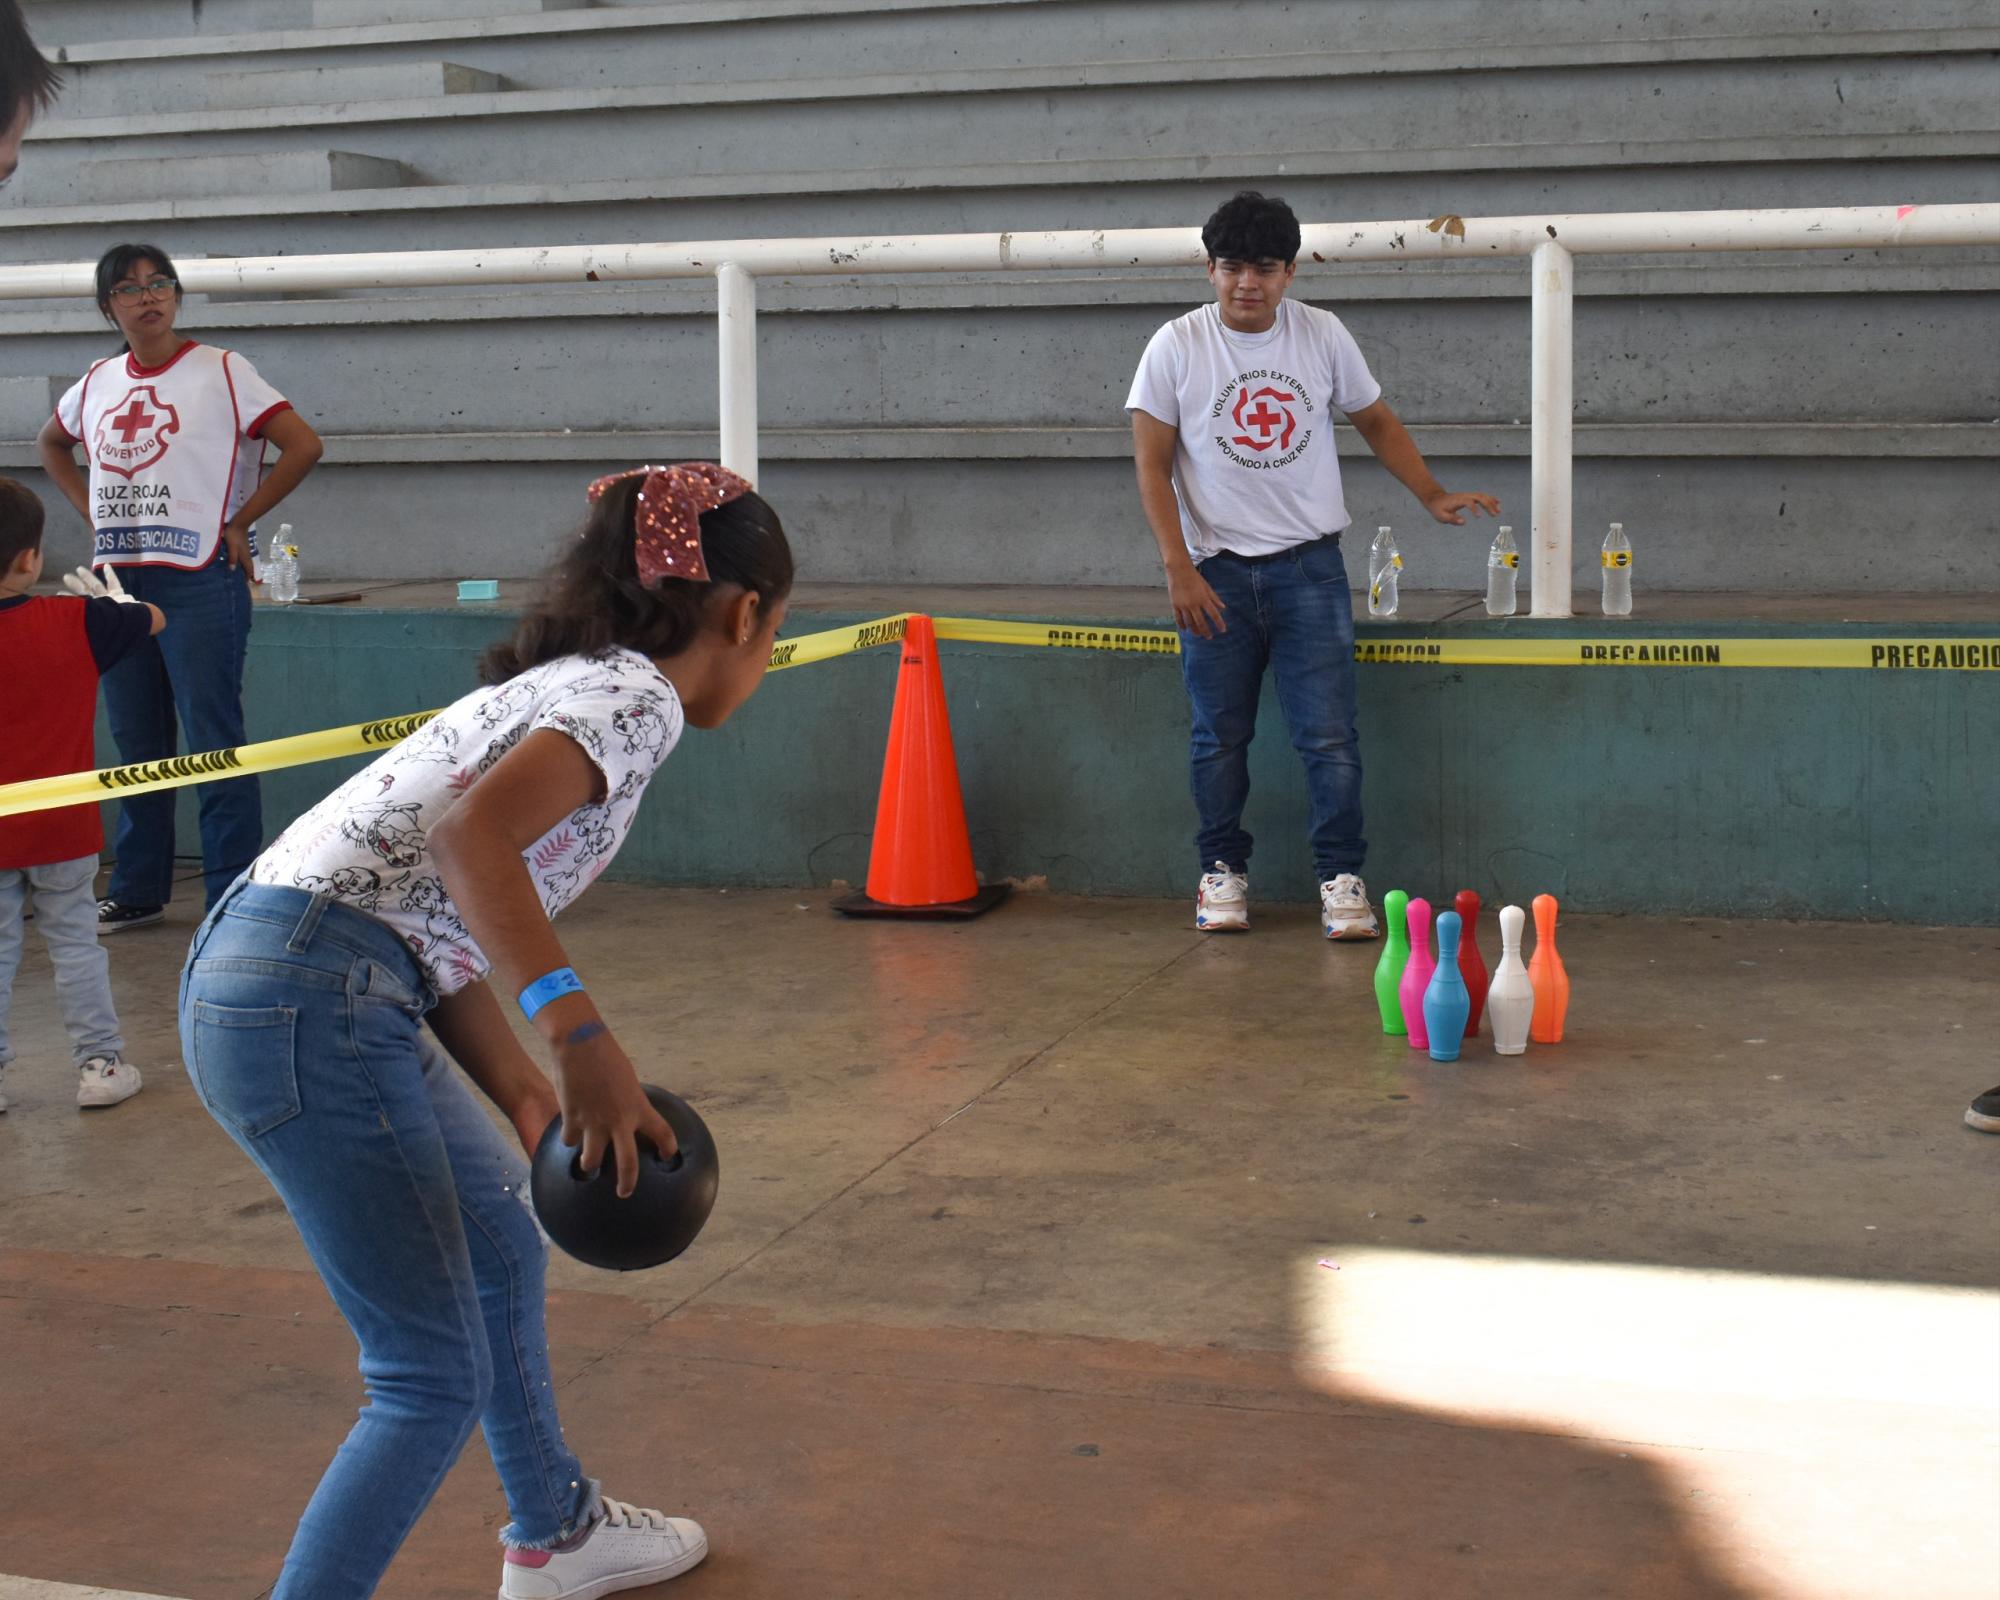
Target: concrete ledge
1447 613
321 171
320 85
1974 441
1535 47
373 13
1302 67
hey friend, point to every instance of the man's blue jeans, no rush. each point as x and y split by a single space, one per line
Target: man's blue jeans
302 1029
1291 612
188 678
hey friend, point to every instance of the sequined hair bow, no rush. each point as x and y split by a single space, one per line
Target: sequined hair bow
666 523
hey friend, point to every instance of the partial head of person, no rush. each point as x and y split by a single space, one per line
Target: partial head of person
139 294
686 564
1252 242
28 86
21 518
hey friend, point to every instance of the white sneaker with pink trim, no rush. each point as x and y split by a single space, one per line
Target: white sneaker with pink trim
626 1548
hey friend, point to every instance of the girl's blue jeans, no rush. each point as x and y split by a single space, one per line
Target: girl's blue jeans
302 1028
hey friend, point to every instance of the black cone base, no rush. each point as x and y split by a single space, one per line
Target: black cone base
990 895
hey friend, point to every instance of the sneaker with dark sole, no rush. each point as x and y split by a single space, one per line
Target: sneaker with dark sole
114 916
1984 1112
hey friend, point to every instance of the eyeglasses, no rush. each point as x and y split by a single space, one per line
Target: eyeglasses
132 292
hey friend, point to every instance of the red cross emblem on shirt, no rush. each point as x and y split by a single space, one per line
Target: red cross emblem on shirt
1266 418
136 417
133 434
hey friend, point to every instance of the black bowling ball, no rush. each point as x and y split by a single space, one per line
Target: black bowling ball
665 1210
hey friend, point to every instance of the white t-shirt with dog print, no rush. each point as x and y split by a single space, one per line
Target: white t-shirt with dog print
364 844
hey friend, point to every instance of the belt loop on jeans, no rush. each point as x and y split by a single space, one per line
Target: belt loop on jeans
308 921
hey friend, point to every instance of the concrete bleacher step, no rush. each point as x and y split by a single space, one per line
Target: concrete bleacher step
202 177
367 13
411 80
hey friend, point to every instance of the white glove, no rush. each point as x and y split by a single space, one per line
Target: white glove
86 583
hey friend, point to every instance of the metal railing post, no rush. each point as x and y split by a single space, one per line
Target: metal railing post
736 339
1553 414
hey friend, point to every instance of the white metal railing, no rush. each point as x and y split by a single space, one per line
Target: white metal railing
1550 242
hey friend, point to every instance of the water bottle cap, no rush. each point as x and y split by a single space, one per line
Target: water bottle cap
1383 529
1617 527
1506 527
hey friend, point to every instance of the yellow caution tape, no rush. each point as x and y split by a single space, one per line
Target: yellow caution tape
811 647
1943 654
38 794
1920 655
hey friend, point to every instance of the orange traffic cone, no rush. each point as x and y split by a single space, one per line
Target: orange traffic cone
921 861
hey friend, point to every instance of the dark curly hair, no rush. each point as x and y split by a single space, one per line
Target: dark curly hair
1252 227
594 599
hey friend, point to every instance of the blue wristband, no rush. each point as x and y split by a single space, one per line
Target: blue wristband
550 986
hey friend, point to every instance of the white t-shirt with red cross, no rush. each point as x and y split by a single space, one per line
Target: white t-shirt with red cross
1255 470
175 450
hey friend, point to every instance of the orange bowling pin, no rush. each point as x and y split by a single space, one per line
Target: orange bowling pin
1545 972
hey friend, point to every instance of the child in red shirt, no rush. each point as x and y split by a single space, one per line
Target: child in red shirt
51 652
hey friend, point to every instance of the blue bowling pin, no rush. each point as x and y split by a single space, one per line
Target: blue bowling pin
1447 1003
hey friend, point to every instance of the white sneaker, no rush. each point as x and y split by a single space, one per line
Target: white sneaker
103 1082
626 1548
1222 904
1344 911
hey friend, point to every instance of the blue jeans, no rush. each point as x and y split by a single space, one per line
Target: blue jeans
193 668
66 915
1290 612
302 1030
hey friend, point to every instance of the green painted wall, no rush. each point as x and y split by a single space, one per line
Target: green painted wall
1761 793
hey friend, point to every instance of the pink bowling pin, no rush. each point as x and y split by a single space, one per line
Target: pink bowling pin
1417 974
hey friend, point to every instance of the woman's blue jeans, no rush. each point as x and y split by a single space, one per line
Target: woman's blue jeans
302 1028
188 679
1293 613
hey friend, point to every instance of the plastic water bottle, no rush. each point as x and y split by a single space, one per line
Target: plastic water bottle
1385 570
1617 560
1503 573
284 570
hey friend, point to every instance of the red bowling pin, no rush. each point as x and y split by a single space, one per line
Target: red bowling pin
1417 974
1545 972
1471 964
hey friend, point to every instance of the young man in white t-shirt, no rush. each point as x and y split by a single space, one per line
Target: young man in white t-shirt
1232 430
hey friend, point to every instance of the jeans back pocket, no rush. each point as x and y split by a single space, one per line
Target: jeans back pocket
244 1064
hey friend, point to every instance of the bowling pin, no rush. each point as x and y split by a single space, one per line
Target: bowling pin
1417 973
1446 1004
1395 954
1471 964
1546 973
1510 998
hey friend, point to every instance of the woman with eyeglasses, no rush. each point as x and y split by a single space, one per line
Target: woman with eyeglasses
175 434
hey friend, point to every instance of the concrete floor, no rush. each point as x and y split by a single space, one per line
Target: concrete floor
1071 1254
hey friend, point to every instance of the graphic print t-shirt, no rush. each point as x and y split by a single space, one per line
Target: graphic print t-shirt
1255 470
364 844
174 451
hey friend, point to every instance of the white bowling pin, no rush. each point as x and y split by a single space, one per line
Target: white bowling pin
1510 998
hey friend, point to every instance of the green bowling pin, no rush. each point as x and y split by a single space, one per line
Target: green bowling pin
1395 954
